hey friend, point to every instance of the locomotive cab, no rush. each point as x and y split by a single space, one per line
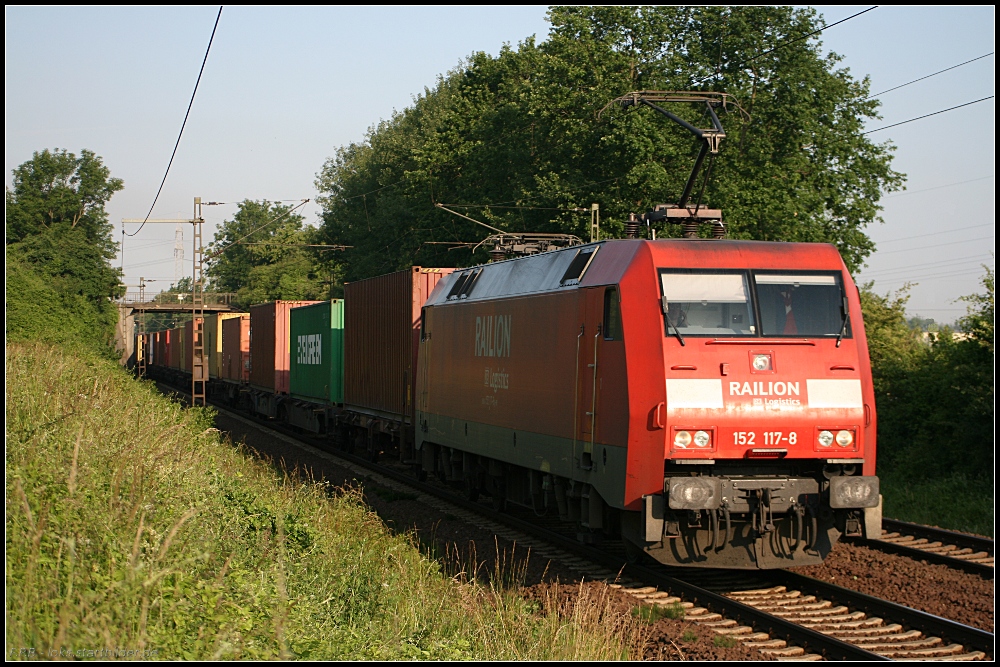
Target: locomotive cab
767 418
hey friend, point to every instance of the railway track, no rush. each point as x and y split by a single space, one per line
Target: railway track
783 615
968 553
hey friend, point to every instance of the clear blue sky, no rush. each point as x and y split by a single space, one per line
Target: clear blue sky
284 87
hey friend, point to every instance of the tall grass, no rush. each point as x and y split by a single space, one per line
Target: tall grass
132 526
954 501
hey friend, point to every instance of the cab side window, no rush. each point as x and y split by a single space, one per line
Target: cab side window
612 314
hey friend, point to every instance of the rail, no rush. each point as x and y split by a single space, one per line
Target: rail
968 553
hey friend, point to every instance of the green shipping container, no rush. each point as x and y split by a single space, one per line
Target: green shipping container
316 351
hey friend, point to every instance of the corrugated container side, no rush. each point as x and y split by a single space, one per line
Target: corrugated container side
173 349
381 337
160 359
236 348
188 347
269 344
213 341
316 351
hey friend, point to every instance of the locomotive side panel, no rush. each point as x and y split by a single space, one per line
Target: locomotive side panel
514 380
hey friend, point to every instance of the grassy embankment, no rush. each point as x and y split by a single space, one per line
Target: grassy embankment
131 525
956 502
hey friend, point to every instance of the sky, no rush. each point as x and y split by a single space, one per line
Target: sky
283 88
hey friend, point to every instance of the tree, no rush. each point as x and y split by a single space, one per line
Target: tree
523 138
934 401
260 254
58 231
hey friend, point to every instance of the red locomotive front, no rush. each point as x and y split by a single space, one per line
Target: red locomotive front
708 401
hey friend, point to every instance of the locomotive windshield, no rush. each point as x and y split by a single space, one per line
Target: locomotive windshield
707 303
801 305
730 303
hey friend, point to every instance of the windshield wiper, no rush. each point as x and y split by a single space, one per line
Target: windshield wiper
843 328
670 322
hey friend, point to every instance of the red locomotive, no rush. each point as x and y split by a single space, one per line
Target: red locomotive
718 417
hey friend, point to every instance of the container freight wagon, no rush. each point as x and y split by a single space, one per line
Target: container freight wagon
709 400
174 348
269 368
213 341
316 362
381 338
235 364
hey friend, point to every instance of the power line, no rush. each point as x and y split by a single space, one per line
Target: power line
976 259
947 69
950 231
790 42
929 115
254 231
955 274
936 245
183 125
938 187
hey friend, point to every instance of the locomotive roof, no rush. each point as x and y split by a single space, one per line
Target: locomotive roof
545 272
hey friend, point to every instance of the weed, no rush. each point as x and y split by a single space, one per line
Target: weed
130 523
723 641
689 636
653 613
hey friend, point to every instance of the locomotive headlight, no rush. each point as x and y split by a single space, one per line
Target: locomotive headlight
853 492
702 439
844 438
762 362
682 439
825 438
693 493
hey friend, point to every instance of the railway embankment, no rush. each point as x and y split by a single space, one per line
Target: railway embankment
133 525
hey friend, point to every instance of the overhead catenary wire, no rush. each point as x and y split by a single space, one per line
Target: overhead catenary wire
221 250
936 245
947 69
789 43
948 231
975 259
983 99
955 274
938 187
183 125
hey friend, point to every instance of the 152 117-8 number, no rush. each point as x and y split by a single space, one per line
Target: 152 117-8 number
749 438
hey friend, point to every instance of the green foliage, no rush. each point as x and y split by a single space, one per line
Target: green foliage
58 247
37 310
935 410
653 613
524 133
689 636
261 256
58 187
723 641
130 524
